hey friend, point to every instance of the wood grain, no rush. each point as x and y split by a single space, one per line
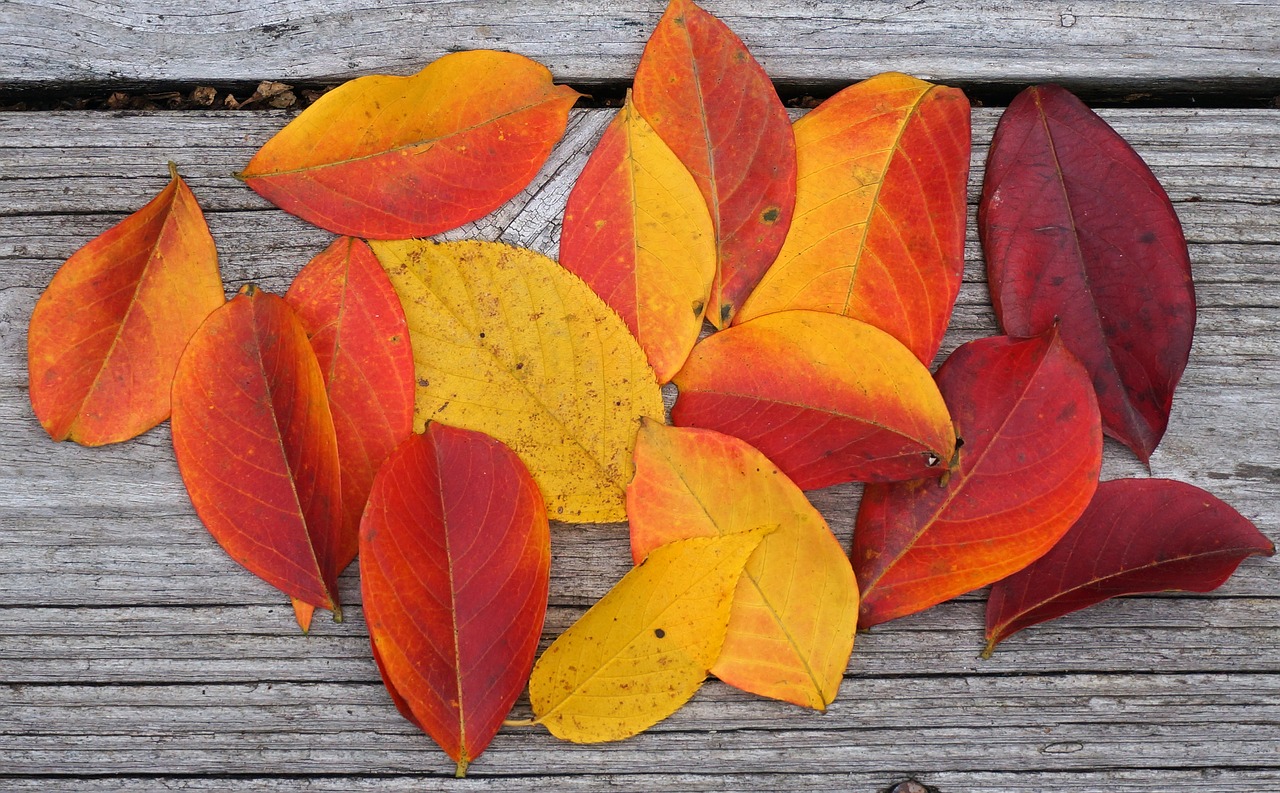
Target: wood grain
137 655
1102 46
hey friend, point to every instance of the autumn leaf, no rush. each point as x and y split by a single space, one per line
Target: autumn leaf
390 157
455 556
878 234
715 107
105 337
827 398
795 608
256 447
1138 535
1077 231
637 231
358 330
643 650
509 343
1027 469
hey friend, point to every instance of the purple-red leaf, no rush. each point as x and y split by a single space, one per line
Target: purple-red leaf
455 556
1076 230
1137 535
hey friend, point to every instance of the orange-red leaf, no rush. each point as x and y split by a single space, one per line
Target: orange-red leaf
455 555
1028 466
386 157
358 330
637 231
878 233
827 398
256 448
106 335
1138 535
717 110
795 608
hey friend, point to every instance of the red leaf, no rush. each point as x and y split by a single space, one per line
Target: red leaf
106 335
455 556
358 330
715 107
1077 231
256 448
1029 464
1138 535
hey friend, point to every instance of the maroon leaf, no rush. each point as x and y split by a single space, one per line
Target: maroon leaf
1077 230
1137 535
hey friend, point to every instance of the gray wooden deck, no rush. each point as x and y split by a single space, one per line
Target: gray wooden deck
135 655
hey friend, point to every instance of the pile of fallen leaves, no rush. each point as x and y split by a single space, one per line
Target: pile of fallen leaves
429 406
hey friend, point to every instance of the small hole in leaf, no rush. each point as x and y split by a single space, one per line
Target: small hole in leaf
931 459
482 334
659 632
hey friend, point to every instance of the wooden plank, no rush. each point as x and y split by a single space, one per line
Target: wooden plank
1009 723
1101 45
1069 781
189 643
136 652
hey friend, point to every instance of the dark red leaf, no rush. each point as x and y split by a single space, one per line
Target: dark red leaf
1138 535
1076 230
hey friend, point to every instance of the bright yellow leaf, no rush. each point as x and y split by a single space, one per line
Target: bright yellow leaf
637 230
507 342
795 610
643 650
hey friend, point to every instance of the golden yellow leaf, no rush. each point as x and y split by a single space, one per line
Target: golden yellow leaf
509 343
637 230
878 234
796 606
643 650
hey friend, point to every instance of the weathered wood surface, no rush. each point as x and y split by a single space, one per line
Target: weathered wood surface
1104 46
137 655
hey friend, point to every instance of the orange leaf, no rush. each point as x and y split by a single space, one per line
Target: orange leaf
827 398
637 231
394 157
717 110
106 335
455 559
795 608
358 330
1028 467
880 211
256 448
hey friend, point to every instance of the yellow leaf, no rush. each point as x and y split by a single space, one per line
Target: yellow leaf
637 230
509 343
878 233
795 610
643 650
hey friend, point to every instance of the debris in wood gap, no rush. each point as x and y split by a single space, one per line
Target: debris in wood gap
204 96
